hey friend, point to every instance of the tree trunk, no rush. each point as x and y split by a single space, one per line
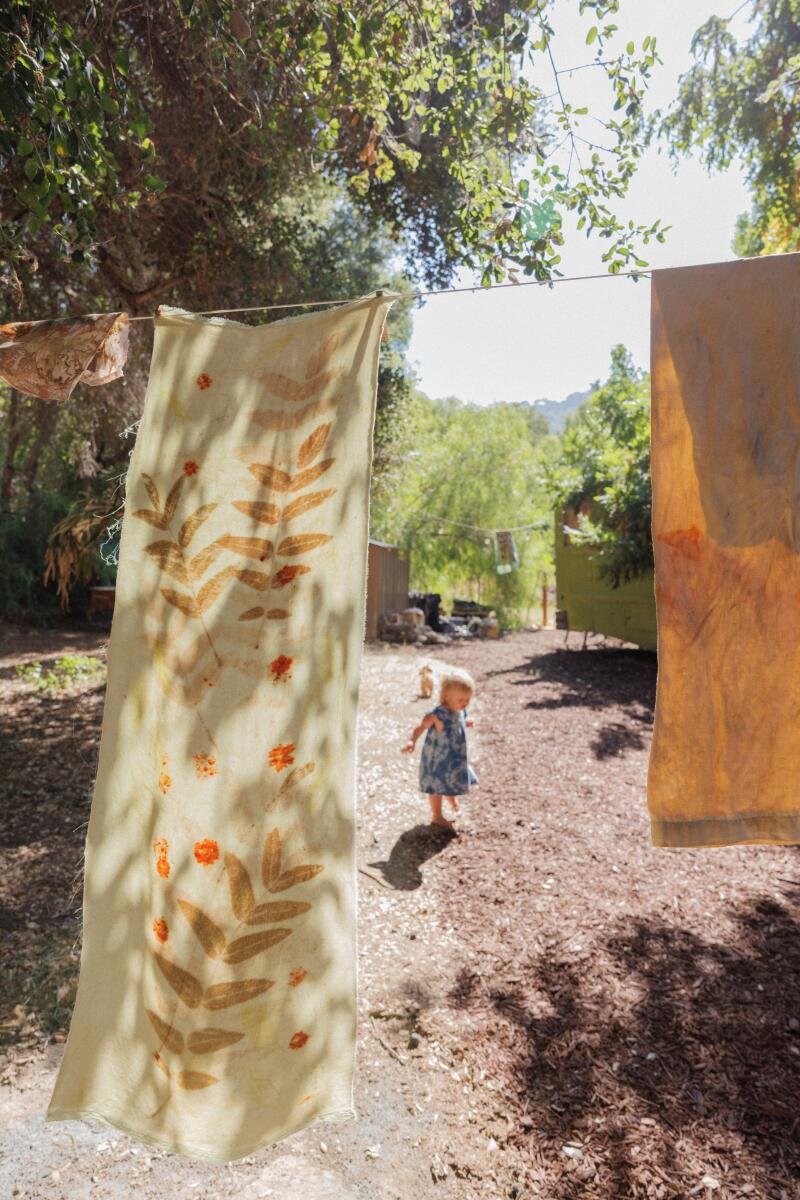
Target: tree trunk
13 434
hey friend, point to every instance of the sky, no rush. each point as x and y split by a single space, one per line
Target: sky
520 344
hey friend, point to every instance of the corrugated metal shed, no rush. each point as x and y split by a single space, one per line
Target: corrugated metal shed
387 583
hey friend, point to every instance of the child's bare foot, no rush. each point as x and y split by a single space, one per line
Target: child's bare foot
453 803
436 814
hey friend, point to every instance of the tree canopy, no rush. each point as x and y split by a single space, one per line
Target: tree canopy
603 472
159 143
742 100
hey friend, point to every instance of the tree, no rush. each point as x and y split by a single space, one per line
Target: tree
154 147
742 100
604 468
457 473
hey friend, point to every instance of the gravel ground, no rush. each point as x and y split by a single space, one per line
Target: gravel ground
549 1007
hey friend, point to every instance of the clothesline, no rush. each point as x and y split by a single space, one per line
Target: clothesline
490 287
490 529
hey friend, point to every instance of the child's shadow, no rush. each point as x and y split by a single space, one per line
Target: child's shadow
410 851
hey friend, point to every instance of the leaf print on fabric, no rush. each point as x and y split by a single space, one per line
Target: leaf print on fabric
195 1079
251 614
208 1041
277 910
266 514
170 1037
207 932
191 525
311 474
204 381
305 504
243 900
298 1040
279 420
290 879
190 467
297 976
225 995
185 985
296 776
251 944
302 543
313 445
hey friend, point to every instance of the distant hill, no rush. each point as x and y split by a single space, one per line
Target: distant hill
556 412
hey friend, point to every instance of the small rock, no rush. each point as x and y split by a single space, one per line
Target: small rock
323 1147
710 1182
572 1151
372 1152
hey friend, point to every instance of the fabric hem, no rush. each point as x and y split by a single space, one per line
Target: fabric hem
333 1116
778 829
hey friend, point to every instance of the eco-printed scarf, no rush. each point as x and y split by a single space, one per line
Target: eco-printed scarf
216 1006
726 526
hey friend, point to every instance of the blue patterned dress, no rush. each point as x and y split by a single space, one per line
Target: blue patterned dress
444 768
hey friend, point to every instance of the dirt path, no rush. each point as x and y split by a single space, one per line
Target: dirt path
549 1007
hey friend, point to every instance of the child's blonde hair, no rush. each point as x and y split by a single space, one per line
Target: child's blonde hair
455 677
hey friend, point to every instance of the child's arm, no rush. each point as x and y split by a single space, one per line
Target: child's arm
424 724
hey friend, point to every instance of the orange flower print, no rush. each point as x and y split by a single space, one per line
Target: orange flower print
287 574
205 765
190 467
204 381
164 782
206 852
161 929
281 668
297 976
281 757
161 850
298 1040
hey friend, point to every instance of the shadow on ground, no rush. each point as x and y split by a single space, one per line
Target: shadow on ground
617 683
688 1042
411 850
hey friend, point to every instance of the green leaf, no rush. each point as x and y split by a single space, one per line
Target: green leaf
592 35
24 146
154 183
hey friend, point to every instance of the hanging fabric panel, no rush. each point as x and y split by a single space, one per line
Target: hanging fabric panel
216 1006
726 487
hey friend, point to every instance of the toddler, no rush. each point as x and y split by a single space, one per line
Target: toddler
444 770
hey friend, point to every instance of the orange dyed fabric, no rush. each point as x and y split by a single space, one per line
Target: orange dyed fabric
726 490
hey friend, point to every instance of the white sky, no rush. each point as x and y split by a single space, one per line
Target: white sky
526 343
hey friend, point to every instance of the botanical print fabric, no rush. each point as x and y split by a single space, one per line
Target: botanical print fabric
216 1006
726 490
48 358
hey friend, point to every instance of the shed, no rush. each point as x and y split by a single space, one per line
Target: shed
387 583
591 603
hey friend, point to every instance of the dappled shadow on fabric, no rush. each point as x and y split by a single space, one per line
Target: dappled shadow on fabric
216 1008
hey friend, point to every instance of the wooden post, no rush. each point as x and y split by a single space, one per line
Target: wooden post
544 600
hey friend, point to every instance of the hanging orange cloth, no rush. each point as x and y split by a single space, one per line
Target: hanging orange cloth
48 358
726 491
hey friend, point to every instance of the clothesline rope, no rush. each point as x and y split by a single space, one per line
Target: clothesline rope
491 287
486 529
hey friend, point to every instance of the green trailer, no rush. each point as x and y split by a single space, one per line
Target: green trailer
587 602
